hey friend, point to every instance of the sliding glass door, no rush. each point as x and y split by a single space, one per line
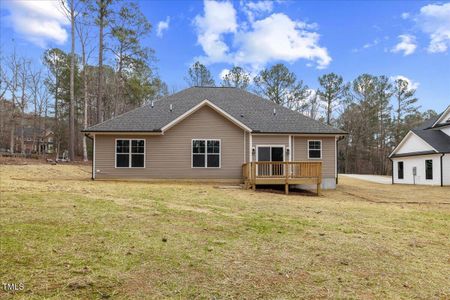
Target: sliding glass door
270 153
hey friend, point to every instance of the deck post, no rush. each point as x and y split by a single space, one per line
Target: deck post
286 173
253 165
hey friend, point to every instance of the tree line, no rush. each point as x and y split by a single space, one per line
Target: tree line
72 91
111 72
375 111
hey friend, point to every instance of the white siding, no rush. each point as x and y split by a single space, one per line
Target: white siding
419 163
446 170
446 131
444 117
413 143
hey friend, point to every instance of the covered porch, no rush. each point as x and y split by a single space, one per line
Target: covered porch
282 172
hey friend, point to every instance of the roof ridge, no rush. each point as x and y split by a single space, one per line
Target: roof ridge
251 109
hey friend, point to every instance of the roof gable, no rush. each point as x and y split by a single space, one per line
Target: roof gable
199 106
412 143
443 119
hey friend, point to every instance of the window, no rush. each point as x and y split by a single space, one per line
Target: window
130 153
206 153
429 169
315 149
400 170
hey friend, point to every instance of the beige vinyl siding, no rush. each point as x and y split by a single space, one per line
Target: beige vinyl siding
270 139
168 156
328 153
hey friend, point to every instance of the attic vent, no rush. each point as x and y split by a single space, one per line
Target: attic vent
171 107
274 111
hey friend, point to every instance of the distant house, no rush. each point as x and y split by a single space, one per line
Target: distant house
212 133
423 156
35 140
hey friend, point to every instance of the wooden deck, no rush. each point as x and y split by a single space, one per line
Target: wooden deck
282 172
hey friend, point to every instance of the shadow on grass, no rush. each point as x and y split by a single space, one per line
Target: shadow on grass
279 189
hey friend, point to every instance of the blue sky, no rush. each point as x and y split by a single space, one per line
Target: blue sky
394 38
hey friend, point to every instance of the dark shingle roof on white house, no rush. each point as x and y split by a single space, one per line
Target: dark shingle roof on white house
430 133
249 109
433 136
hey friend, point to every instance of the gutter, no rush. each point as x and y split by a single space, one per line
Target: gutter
442 170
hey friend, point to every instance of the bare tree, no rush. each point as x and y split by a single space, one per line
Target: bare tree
70 9
14 82
83 36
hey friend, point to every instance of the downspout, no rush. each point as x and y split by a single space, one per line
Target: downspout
93 157
442 170
337 166
337 154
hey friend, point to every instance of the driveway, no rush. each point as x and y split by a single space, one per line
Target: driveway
371 178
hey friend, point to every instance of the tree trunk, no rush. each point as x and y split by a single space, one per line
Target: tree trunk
72 85
12 135
85 101
101 25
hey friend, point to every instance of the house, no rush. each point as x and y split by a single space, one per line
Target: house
212 133
35 140
423 156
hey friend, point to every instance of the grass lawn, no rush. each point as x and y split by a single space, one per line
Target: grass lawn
65 236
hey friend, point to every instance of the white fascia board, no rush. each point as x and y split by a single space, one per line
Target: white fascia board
445 113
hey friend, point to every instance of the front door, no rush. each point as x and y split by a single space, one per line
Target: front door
270 153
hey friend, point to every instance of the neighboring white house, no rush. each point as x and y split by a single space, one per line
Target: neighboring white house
423 156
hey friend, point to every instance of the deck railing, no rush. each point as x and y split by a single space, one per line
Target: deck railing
282 172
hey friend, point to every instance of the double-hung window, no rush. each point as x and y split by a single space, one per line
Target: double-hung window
205 153
130 153
429 169
315 149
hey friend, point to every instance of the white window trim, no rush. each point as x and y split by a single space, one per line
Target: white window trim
206 153
129 153
315 158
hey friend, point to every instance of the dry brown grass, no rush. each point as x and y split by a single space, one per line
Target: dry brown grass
65 236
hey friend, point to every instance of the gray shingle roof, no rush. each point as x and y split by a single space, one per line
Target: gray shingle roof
251 110
434 137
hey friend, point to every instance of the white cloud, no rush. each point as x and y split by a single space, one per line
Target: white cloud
405 15
272 38
434 19
407 44
162 26
39 22
371 44
255 9
219 18
223 73
412 84
277 37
